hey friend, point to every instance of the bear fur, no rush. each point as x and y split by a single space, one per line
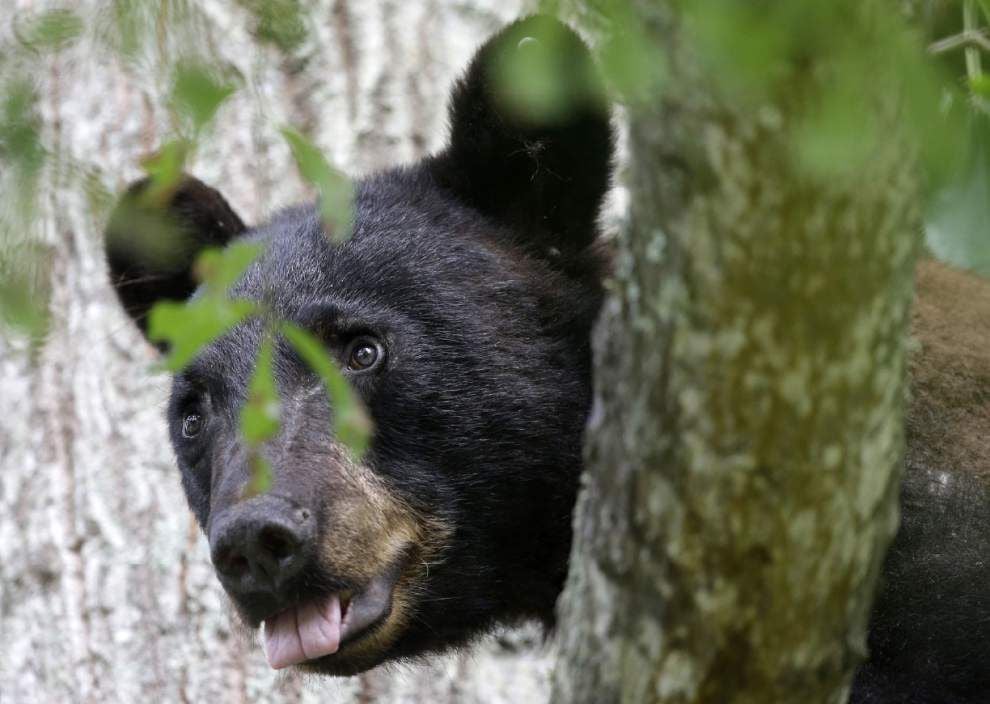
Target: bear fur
477 274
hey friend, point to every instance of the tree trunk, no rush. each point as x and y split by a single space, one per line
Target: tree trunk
107 590
744 446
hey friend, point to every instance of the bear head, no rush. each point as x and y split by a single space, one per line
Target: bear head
460 312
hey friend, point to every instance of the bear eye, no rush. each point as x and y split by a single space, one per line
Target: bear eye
364 354
191 425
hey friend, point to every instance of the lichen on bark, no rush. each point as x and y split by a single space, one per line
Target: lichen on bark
743 453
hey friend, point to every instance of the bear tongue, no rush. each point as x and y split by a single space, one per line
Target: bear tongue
303 633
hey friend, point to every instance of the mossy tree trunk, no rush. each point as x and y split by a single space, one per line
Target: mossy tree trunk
743 453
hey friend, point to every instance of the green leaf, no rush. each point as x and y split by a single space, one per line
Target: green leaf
540 76
980 86
51 30
132 25
188 327
165 169
261 477
280 22
25 291
351 421
21 150
633 64
197 93
219 269
957 227
335 189
260 413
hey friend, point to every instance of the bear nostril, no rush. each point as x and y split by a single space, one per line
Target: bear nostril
277 543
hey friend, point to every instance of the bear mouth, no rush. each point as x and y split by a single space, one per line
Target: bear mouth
322 627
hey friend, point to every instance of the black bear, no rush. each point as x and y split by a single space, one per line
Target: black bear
461 310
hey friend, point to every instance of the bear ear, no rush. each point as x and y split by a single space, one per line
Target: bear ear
531 139
154 236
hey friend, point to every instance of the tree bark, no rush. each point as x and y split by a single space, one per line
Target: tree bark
744 448
106 590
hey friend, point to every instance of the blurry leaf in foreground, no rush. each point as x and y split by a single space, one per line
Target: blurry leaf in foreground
633 64
839 135
261 476
147 234
260 413
351 422
198 93
132 23
958 223
165 169
745 45
24 291
49 31
260 417
220 268
540 73
335 189
21 151
189 326
279 22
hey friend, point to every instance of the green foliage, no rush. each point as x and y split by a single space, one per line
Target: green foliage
165 168
351 421
634 65
49 31
958 227
188 327
197 93
220 269
20 142
131 25
535 76
24 292
278 22
335 190
260 417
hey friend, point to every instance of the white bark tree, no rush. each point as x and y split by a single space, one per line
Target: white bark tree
107 590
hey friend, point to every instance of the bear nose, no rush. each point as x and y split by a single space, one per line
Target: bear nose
259 546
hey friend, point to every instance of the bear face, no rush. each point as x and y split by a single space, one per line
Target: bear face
460 311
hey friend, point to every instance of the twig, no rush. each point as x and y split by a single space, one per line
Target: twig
971 38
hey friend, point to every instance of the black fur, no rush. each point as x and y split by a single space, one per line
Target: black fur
477 270
929 631
152 240
544 175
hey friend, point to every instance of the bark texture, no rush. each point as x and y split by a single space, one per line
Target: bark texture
743 451
107 591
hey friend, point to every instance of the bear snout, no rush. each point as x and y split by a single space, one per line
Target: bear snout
259 546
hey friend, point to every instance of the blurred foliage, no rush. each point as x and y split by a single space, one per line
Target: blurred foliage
847 73
197 93
336 193
830 63
187 326
351 422
280 22
48 31
260 417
